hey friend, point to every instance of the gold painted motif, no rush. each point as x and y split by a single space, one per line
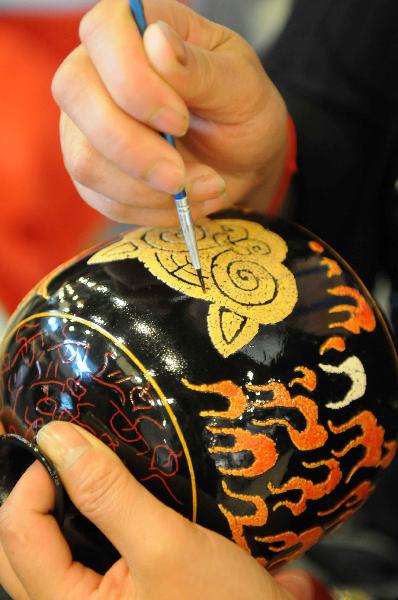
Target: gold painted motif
246 283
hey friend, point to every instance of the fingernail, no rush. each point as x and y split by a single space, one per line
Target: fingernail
175 42
62 444
207 186
170 121
298 584
166 177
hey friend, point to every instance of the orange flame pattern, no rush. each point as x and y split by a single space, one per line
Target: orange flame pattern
316 247
261 446
391 450
333 267
290 540
371 438
361 315
358 496
234 394
333 343
309 490
237 522
313 435
233 437
308 380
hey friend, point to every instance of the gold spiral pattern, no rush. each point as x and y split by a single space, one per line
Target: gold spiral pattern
242 280
163 239
246 283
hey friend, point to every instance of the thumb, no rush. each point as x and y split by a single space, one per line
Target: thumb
101 487
206 72
302 585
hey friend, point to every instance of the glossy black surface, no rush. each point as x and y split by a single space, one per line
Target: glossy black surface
113 348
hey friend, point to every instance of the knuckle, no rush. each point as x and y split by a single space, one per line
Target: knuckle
116 211
60 82
124 91
90 23
120 212
80 164
64 80
100 490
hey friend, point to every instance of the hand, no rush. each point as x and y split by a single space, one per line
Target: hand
177 560
192 78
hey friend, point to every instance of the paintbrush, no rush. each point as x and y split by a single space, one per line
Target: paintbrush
181 200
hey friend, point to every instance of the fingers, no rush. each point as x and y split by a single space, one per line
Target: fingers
120 91
8 580
142 528
206 78
113 42
137 150
169 556
202 70
113 95
34 545
299 584
126 199
201 60
91 169
123 213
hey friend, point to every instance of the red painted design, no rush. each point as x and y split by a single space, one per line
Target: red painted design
63 386
165 485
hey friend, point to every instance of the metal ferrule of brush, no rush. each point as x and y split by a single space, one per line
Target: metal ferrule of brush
188 228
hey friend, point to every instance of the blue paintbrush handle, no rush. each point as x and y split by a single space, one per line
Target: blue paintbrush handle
139 15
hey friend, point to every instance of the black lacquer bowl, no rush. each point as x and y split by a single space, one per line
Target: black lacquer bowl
264 409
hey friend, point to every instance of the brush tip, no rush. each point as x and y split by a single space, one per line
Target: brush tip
202 281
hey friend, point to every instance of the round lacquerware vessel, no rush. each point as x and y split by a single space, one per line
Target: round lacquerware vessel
264 409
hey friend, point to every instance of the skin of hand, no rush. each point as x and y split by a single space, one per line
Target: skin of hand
163 555
188 77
